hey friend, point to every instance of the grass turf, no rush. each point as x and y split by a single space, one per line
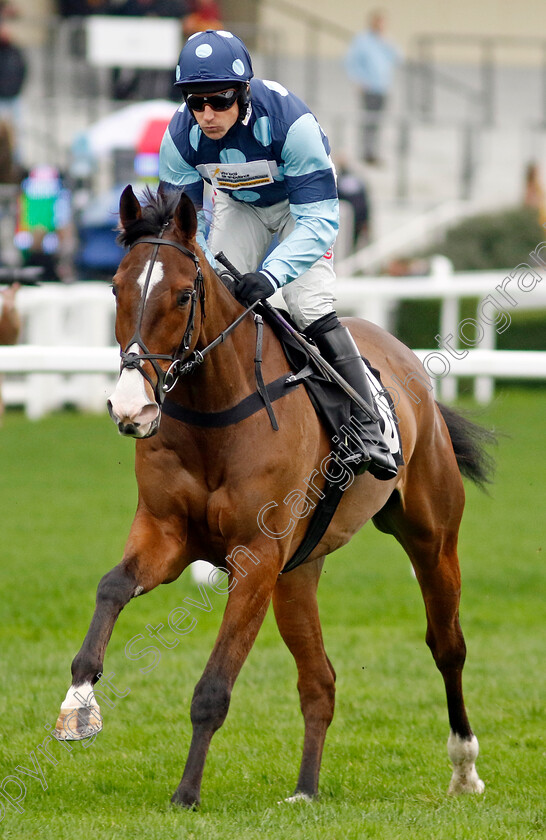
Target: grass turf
68 495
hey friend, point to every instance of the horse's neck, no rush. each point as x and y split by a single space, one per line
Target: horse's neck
227 374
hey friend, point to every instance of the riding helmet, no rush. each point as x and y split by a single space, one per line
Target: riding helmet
212 61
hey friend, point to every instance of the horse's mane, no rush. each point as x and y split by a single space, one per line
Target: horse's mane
157 212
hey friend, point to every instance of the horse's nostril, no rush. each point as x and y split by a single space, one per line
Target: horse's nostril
147 414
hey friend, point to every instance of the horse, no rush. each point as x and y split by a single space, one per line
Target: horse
227 492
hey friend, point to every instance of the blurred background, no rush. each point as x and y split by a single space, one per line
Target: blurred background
465 118
439 149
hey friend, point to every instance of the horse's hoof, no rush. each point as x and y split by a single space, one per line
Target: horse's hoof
463 754
78 724
468 785
80 716
189 801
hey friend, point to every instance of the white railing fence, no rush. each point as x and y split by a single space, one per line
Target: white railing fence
467 345
68 353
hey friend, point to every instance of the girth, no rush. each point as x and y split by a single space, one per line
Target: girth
228 417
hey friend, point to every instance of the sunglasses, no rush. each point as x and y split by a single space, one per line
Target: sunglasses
217 101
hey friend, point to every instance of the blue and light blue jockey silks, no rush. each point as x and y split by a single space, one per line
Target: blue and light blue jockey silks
277 153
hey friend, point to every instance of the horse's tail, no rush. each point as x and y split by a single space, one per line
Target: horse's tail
469 441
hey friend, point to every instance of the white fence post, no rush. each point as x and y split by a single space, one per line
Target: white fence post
45 325
441 270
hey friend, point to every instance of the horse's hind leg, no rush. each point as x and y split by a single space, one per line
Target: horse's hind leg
426 524
296 612
440 586
150 557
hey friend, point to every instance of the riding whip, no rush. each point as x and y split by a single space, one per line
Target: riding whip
310 349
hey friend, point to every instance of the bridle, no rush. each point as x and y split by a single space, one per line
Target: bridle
180 363
166 380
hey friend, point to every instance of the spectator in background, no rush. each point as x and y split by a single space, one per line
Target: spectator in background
351 188
203 15
44 227
10 171
13 71
39 255
370 62
10 323
534 195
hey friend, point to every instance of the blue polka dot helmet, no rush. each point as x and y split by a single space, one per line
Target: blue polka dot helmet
213 60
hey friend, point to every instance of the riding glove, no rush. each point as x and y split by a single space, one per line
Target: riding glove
254 286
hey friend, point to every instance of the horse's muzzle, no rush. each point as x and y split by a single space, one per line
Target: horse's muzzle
143 426
134 411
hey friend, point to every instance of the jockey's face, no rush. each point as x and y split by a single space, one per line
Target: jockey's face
216 124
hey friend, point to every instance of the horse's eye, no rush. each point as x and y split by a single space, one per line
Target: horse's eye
114 290
183 298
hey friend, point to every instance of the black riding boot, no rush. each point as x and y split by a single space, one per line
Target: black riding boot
367 446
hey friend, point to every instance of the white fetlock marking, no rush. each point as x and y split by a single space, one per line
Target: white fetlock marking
297 797
81 695
463 754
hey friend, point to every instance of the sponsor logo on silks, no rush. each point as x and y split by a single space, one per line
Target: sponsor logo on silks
329 254
230 182
235 176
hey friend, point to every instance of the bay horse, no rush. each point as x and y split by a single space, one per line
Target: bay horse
202 490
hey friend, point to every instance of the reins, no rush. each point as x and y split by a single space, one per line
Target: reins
180 365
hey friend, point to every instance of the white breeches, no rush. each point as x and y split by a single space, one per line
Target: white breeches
244 233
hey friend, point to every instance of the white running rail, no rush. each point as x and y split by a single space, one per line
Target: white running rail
68 353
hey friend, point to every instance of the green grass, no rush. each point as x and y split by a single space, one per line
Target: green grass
68 495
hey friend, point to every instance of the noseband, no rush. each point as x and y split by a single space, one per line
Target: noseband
166 380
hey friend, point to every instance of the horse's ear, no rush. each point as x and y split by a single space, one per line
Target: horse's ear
129 207
185 217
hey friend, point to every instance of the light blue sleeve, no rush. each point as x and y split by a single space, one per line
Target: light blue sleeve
174 169
310 181
202 238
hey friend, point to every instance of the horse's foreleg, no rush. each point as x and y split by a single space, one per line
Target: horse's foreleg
296 612
80 714
245 611
151 557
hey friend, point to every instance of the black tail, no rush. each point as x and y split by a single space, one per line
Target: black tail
469 441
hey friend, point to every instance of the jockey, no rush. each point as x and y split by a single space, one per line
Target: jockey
267 159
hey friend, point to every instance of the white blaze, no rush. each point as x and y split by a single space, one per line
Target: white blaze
129 399
129 396
155 277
